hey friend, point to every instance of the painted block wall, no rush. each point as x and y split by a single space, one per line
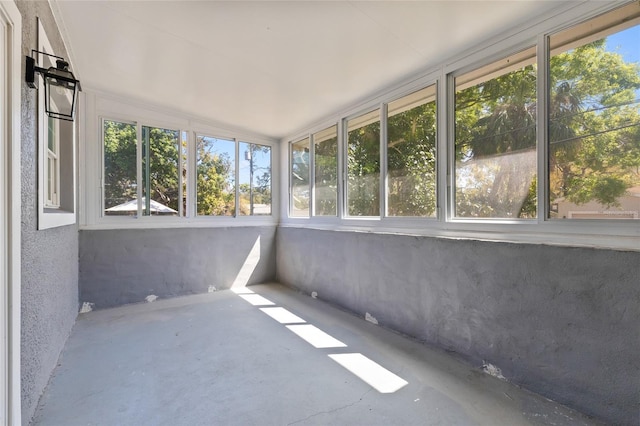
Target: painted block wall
562 322
127 266
49 257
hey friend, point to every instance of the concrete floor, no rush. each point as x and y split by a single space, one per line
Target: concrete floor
217 359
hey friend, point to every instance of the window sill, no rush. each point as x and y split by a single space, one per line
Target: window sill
53 218
130 222
625 237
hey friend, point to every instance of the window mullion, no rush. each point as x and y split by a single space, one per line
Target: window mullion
342 169
237 174
139 167
448 140
383 161
542 127
312 176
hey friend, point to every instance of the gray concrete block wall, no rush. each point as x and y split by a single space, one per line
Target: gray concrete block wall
49 257
127 266
560 321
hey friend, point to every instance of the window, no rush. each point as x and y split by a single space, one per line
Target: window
160 172
495 139
300 170
255 179
594 118
56 155
363 165
160 166
53 164
325 157
216 176
411 154
159 163
120 171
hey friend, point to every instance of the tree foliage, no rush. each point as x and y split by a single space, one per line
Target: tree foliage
411 162
593 131
215 180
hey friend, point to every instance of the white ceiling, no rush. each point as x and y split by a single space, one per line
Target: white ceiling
271 67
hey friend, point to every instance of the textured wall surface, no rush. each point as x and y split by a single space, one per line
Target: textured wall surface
562 322
127 266
49 257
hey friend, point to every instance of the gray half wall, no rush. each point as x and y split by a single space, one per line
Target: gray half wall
562 322
49 287
126 266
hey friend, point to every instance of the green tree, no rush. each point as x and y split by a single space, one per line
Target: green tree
594 125
411 162
364 170
119 163
215 181
326 178
160 161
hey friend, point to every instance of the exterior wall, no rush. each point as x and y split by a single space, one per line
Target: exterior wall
127 266
49 257
562 322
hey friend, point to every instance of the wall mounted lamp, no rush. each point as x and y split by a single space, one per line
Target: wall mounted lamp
60 86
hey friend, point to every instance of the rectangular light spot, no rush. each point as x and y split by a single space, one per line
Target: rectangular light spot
256 299
241 290
381 379
282 315
315 336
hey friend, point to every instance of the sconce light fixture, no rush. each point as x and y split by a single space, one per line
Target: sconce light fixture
60 86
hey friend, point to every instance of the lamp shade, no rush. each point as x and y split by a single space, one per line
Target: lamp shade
61 90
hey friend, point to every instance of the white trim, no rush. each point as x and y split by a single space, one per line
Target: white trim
622 235
10 217
99 106
65 214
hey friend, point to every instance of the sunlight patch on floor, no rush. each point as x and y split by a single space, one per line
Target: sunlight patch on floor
316 337
282 315
256 299
381 379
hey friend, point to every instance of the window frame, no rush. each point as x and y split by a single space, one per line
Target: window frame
451 140
379 108
236 172
100 107
56 213
384 150
601 233
308 138
314 169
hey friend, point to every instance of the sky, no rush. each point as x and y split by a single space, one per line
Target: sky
261 160
627 43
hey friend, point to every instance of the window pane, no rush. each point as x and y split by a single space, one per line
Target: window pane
594 119
325 145
119 169
255 179
51 139
495 139
184 149
411 154
160 176
363 165
216 176
300 178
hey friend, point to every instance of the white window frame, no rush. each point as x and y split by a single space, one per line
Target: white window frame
52 198
51 213
612 234
195 168
380 108
309 139
99 105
